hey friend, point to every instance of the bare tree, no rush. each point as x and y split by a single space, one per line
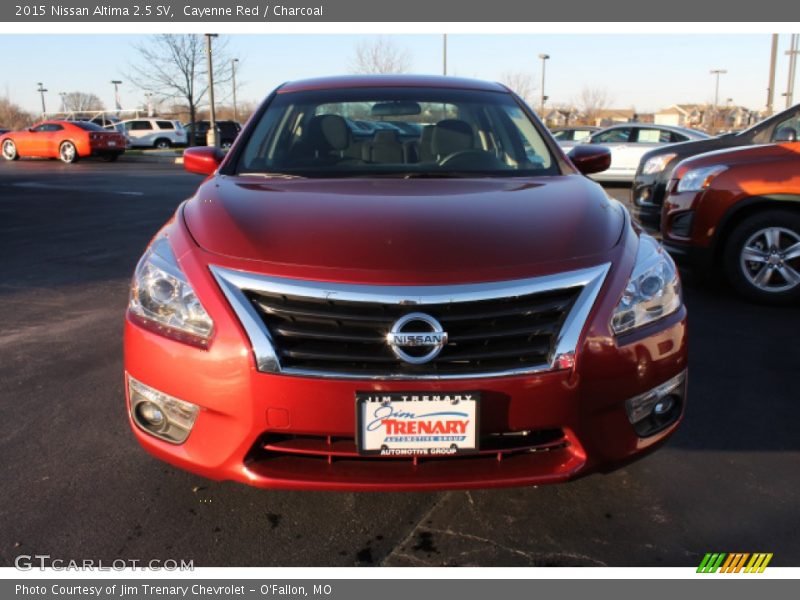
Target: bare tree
380 55
521 83
592 101
173 67
82 101
12 116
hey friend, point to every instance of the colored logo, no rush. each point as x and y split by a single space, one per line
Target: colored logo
737 562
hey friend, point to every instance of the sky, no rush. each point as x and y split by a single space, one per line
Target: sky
645 72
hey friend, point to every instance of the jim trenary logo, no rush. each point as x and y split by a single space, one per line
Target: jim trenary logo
738 562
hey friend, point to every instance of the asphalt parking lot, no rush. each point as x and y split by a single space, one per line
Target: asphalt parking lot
76 485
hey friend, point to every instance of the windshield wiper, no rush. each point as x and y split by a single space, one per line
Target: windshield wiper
439 175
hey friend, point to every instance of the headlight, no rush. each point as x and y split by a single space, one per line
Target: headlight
161 297
699 179
657 164
653 290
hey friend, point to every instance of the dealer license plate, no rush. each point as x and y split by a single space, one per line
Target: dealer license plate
417 424
112 144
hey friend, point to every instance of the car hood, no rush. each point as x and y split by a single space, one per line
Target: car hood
748 155
405 230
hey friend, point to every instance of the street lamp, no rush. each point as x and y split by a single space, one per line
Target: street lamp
444 54
792 53
717 73
41 89
544 58
63 101
117 83
233 76
211 137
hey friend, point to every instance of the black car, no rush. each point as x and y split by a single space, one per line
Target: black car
226 132
655 168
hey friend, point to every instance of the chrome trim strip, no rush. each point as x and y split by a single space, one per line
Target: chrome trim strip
233 282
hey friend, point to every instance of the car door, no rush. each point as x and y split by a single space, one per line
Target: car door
30 143
140 132
50 140
617 140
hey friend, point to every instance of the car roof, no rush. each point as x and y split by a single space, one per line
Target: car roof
368 81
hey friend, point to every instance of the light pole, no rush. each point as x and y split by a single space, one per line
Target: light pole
717 73
63 101
545 58
41 89
211 137
233 76
773 58
444 54
792 52
117 83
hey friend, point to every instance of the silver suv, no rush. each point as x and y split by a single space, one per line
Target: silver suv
155 133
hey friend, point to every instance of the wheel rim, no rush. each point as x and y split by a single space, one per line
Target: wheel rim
162 145
8 149
770 259
67 152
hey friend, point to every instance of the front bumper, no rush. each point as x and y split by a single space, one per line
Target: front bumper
277 431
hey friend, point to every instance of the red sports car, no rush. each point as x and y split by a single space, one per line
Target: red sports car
402 283
65 140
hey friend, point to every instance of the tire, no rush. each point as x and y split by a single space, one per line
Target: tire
68 153
762 257
226 145
111 157
10 150
162 144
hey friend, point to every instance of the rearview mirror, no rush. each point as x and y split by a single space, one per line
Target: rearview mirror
203 160
786 134
398 108
590 159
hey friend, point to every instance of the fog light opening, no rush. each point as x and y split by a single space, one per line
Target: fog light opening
659 408
159 414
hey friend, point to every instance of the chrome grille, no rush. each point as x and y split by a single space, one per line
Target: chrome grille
335 336
323 329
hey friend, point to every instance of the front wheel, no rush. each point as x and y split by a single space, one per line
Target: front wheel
10 150
67 152
762 257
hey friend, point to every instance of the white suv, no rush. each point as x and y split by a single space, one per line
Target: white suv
155 133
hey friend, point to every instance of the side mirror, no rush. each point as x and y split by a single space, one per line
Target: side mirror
202 160
590 159
786 134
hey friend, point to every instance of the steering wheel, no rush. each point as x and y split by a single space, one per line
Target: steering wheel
472 158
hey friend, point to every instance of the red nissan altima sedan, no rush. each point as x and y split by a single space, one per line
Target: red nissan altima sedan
401 283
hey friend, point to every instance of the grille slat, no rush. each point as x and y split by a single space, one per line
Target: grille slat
329 336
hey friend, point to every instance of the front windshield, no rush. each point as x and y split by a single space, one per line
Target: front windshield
403 132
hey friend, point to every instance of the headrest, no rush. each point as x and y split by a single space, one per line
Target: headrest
329 132
385 136
451 135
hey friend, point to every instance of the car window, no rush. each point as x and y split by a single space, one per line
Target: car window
400 131
138 125
563 135
87 126
581 134
649 135
618 135
165 124
792 122
40 128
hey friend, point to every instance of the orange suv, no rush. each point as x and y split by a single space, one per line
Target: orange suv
740 210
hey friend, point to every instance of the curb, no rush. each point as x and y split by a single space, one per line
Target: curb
176 160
